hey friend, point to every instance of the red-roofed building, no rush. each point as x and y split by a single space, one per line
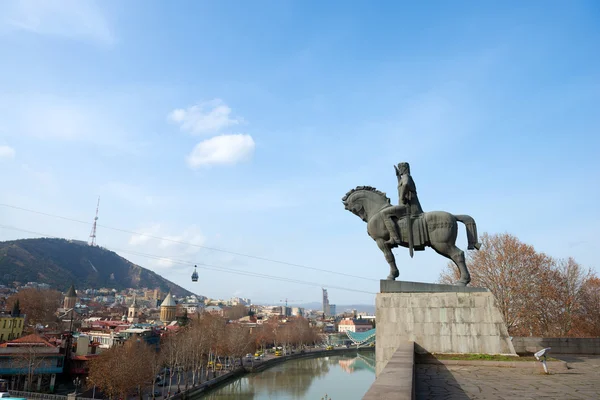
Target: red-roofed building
354 325
32 357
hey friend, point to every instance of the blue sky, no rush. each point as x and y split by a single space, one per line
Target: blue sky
240 125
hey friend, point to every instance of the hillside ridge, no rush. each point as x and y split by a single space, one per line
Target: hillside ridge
60 263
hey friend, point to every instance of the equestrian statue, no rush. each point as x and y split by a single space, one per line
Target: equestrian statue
407 225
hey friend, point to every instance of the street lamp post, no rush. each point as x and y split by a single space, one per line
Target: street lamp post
94 389
76 382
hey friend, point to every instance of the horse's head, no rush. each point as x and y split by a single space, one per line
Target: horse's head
365 201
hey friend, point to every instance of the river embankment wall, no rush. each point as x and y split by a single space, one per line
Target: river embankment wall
219 381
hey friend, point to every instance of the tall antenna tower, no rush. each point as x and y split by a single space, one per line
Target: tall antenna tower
93 233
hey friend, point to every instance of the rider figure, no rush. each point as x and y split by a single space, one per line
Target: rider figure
407 197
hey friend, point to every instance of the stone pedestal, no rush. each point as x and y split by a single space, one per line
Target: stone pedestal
439 319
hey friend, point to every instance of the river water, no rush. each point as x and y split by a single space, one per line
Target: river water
342 377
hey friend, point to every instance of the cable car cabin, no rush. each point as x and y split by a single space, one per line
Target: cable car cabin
195 275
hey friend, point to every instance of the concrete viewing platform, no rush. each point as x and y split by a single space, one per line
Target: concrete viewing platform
387 286
408 377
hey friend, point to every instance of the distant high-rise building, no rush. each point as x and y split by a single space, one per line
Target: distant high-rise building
325 303
332 310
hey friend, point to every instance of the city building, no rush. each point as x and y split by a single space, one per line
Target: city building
354 325
31 355
192 308
216 310
332 310
11 326
239 300
297 311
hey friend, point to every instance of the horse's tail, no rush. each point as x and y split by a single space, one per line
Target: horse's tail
471 231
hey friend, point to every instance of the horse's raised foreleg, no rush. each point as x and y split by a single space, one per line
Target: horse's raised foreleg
458 256
389 257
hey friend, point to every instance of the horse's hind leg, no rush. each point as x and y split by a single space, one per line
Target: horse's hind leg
458 257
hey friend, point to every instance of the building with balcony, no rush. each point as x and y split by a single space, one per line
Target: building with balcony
30 363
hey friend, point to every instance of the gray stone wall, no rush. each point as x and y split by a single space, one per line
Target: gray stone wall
445 322
397 380
558 345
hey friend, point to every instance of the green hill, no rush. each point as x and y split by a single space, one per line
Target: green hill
60 262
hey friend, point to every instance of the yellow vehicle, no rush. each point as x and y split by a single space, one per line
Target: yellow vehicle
278 353
329 348
217 366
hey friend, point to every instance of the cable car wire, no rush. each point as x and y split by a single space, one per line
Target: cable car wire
190 244
204 265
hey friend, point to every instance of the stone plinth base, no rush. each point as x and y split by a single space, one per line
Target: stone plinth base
465 320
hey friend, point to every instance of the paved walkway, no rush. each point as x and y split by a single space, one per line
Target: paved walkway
581 381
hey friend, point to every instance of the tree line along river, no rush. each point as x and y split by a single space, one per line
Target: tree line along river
338 377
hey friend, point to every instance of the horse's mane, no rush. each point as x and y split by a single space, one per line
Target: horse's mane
368 188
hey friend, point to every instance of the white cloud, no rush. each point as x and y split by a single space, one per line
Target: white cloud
191 236
7 152
169 249
221 150
65 18
204 117
145 235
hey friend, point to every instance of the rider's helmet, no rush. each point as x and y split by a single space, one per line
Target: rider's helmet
403 168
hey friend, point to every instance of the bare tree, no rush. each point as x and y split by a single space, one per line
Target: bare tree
39 305
155 362
265 335
589 315
536 294
122 370
239 340
236 312
513 271
172 356
572 279
200 348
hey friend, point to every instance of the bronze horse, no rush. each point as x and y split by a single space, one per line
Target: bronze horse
438 229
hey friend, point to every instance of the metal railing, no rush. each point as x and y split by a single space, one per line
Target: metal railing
43 396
